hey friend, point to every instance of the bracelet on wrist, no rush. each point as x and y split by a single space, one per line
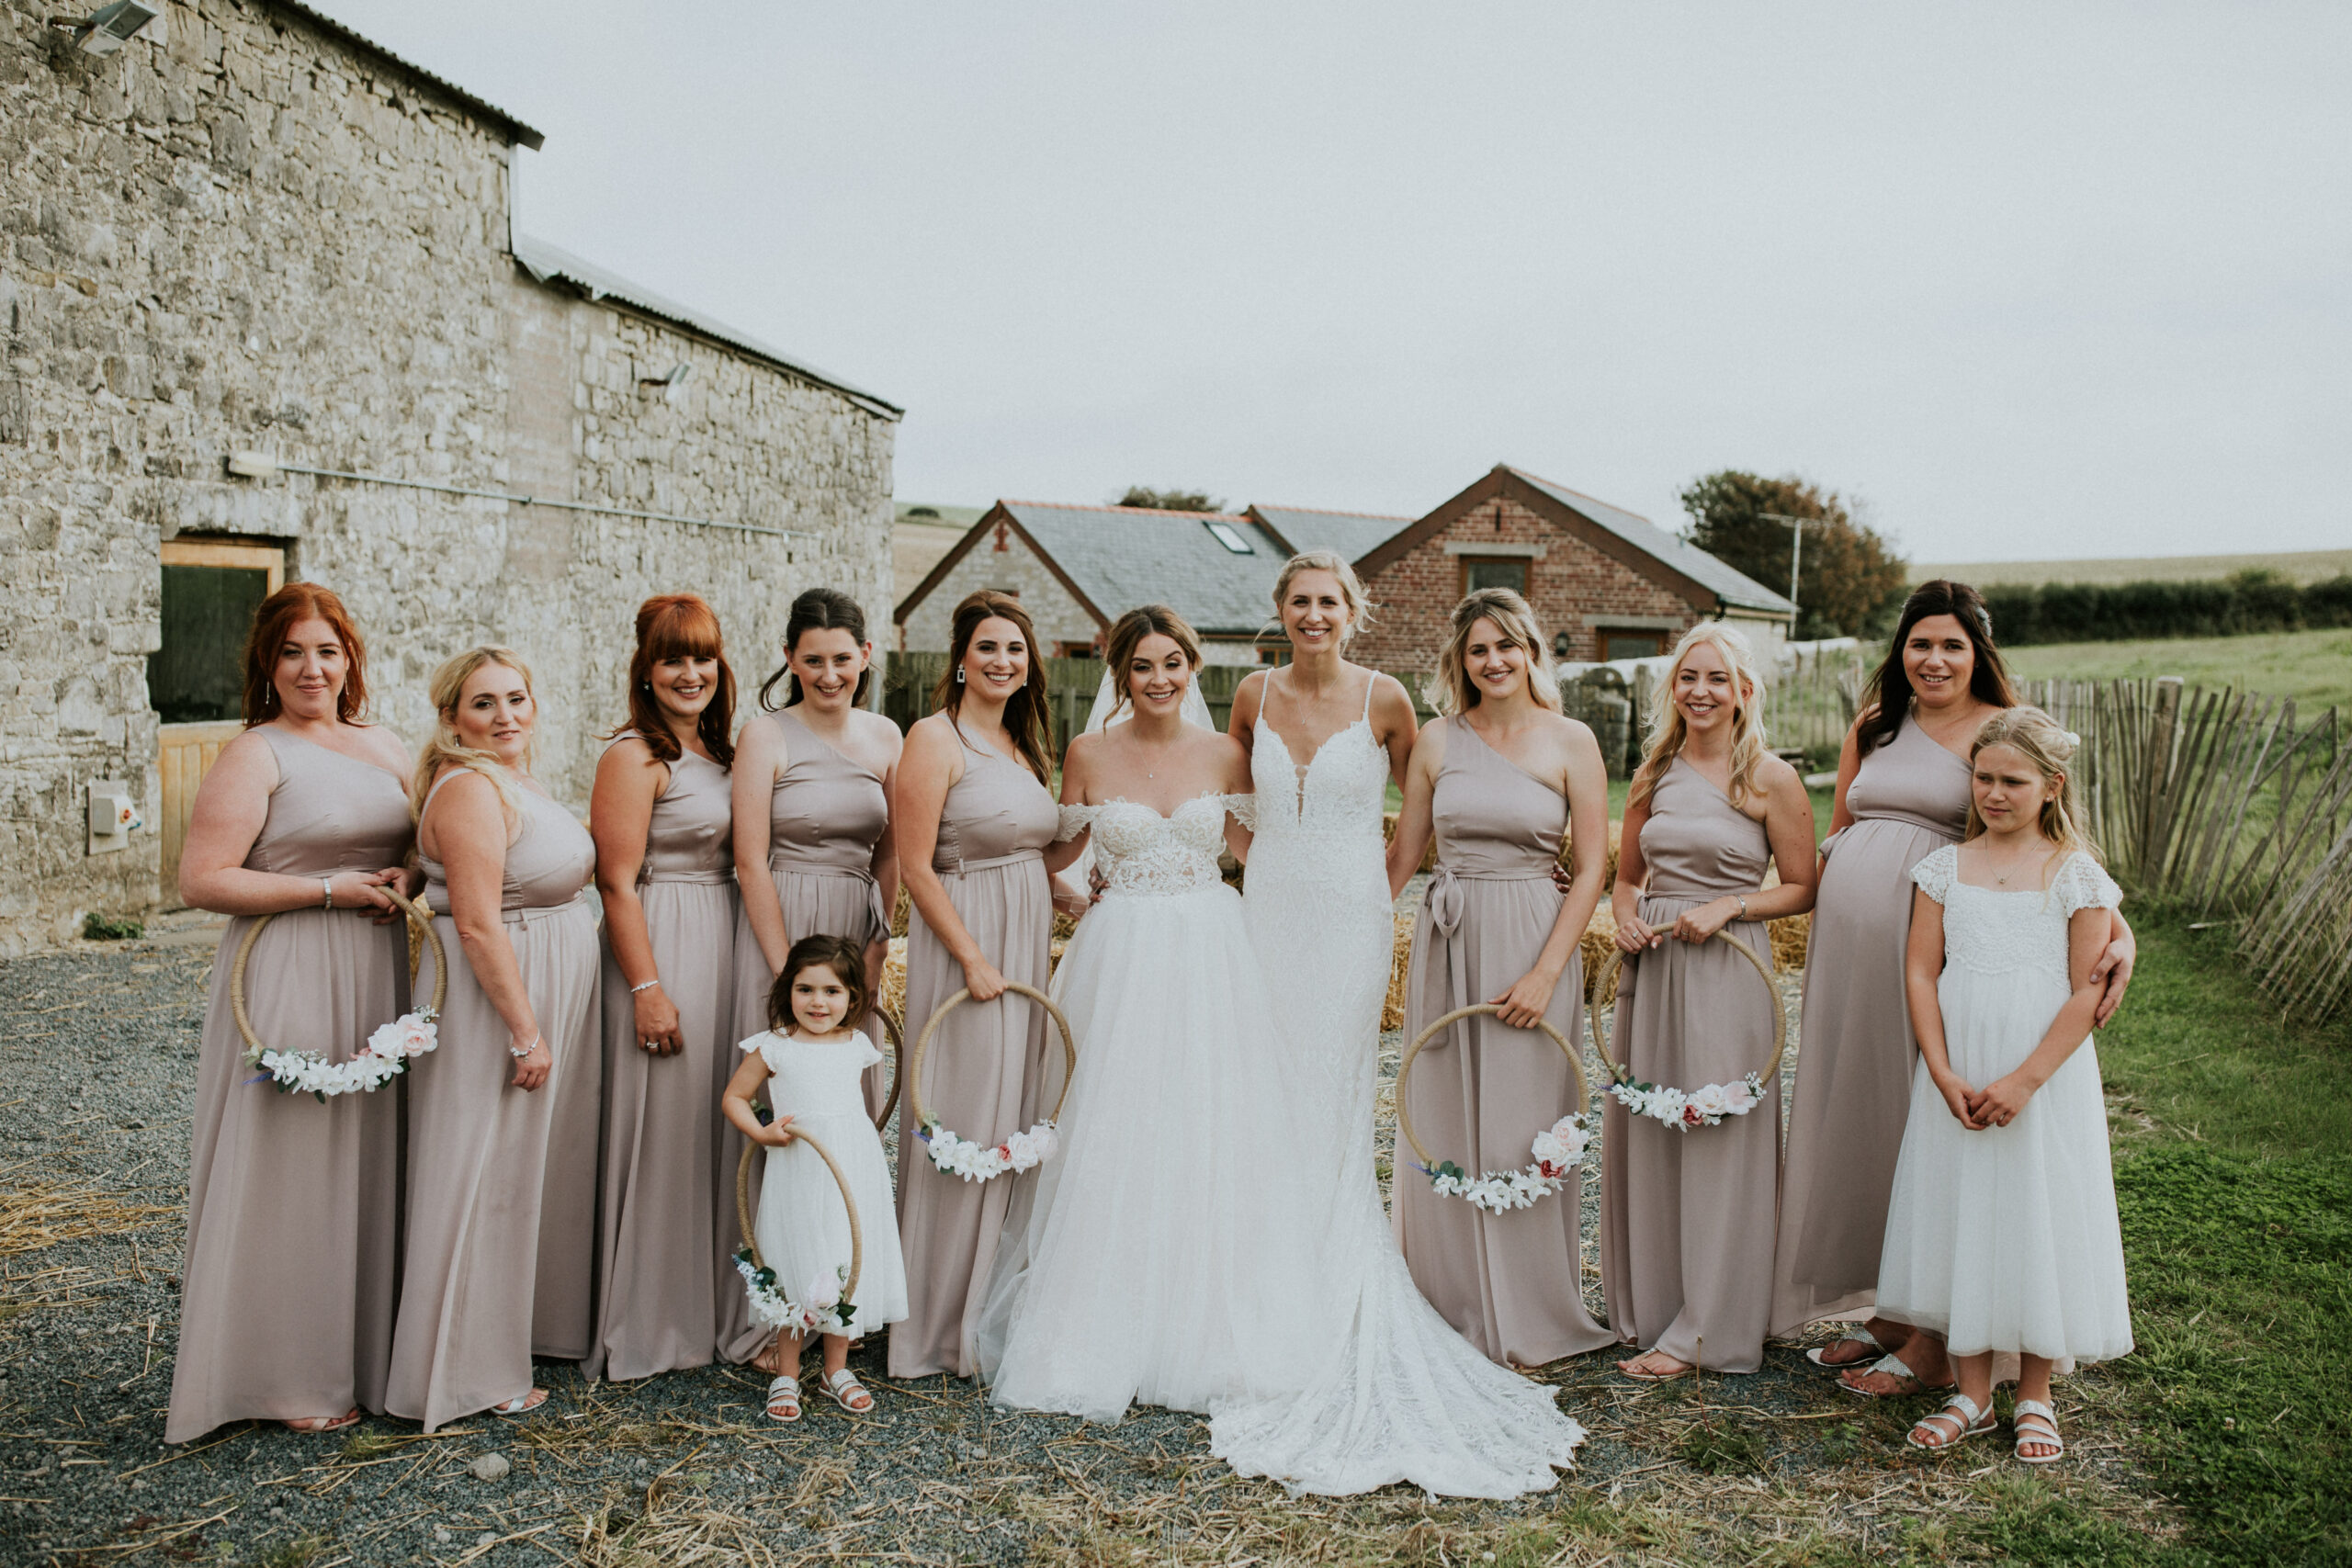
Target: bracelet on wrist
519 1053
327 888
645 984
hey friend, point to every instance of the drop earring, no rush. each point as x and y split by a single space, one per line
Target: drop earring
959 675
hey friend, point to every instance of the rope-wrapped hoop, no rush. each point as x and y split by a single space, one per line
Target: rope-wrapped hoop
1558 1149
387 1052
956 1155
897 1031
1700 1108
751 1265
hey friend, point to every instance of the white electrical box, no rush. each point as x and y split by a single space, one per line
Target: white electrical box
114 816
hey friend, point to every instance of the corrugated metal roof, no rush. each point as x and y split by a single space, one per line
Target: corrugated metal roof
550 263
1121 556
1351 535
514 128
1730 585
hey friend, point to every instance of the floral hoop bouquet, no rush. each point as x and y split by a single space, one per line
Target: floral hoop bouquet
384 1057
823 1308
1683 1109
825 1305
1557 1150
952 1154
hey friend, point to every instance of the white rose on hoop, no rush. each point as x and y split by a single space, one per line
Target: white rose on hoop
1710 1104
954 1154
1556 1150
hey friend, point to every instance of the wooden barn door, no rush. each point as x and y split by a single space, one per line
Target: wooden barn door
196 680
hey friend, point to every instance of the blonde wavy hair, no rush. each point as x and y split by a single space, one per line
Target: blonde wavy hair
2039 738
445 751
1352 593
1453 692
1668 730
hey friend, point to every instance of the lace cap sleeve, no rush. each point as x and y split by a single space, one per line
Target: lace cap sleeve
2083 884
1936 873
1076 820
867 1054
1244 808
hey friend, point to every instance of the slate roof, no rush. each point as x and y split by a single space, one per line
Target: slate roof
1115 558
513 130
1732 586
550 263
1350 535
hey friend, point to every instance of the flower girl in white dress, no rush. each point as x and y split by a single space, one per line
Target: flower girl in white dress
813 1064
2002 1234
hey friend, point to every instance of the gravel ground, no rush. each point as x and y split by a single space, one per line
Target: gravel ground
94 1084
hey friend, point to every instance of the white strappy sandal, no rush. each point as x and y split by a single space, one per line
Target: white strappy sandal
783 1397
841 1385
1960 1417
2046 1431
1819 1353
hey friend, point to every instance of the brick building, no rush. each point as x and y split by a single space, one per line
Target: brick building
1606 583
250 231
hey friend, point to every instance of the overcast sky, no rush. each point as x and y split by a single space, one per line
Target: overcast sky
2029 280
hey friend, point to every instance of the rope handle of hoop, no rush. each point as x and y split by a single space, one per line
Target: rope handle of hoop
897 1033
1404 1068
417 915
923 1045
1615 960
849 1201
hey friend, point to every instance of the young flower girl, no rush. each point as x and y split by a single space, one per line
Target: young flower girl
812 1061
2002 1234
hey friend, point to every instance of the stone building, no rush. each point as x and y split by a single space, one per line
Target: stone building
1606 584
250 232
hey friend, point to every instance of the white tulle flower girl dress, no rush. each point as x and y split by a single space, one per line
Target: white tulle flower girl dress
2005 1238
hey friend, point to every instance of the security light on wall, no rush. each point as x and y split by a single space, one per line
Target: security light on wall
108 27
666 384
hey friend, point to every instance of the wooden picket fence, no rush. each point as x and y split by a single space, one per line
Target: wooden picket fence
2224 802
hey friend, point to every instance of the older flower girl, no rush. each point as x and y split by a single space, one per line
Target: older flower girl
813 1062
2002 1234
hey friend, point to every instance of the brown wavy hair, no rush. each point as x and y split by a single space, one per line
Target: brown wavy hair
845 958
277 616
1127 634
818 610
1886 700
680 626
1024 715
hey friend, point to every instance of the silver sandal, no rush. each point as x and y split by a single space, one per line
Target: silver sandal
1960 1417
839 1385
783 1389
2046 1432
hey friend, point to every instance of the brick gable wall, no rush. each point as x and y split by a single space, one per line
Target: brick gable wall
1571 582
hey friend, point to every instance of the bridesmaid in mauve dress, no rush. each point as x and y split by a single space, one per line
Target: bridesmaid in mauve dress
973 823
506 868
1494 928
293 1216
1903 792
1686 1239
815 857
665 870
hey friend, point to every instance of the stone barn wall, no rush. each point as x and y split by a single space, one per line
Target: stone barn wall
1010 566
255 234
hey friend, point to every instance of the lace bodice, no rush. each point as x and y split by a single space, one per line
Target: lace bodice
1343 789
1997 931
1143 853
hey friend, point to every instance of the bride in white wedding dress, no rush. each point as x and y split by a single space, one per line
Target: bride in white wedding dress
1212 1237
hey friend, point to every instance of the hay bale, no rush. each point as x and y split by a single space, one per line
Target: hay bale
1609 861
894 980
1789 939
1392 1011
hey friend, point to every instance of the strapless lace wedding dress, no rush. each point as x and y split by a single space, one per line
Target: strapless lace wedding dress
1163 1256
1399 1395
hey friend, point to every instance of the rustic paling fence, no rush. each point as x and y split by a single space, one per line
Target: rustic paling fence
2222 802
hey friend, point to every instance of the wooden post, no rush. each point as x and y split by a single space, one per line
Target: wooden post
2157 768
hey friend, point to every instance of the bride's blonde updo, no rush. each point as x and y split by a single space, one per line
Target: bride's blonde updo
1127 634
1352 593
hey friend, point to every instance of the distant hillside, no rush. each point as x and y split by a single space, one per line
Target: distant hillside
917 541
2297 566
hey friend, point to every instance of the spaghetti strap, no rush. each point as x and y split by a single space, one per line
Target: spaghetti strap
446 775
1370 682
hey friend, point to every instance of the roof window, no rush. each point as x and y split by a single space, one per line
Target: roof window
1226 535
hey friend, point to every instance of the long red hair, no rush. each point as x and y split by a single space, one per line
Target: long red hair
277 615
680 626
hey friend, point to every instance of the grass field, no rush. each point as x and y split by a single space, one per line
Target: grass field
2313 668
2297 566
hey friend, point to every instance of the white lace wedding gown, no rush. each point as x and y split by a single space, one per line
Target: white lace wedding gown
1400 1396
1162 1257
1211 1237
